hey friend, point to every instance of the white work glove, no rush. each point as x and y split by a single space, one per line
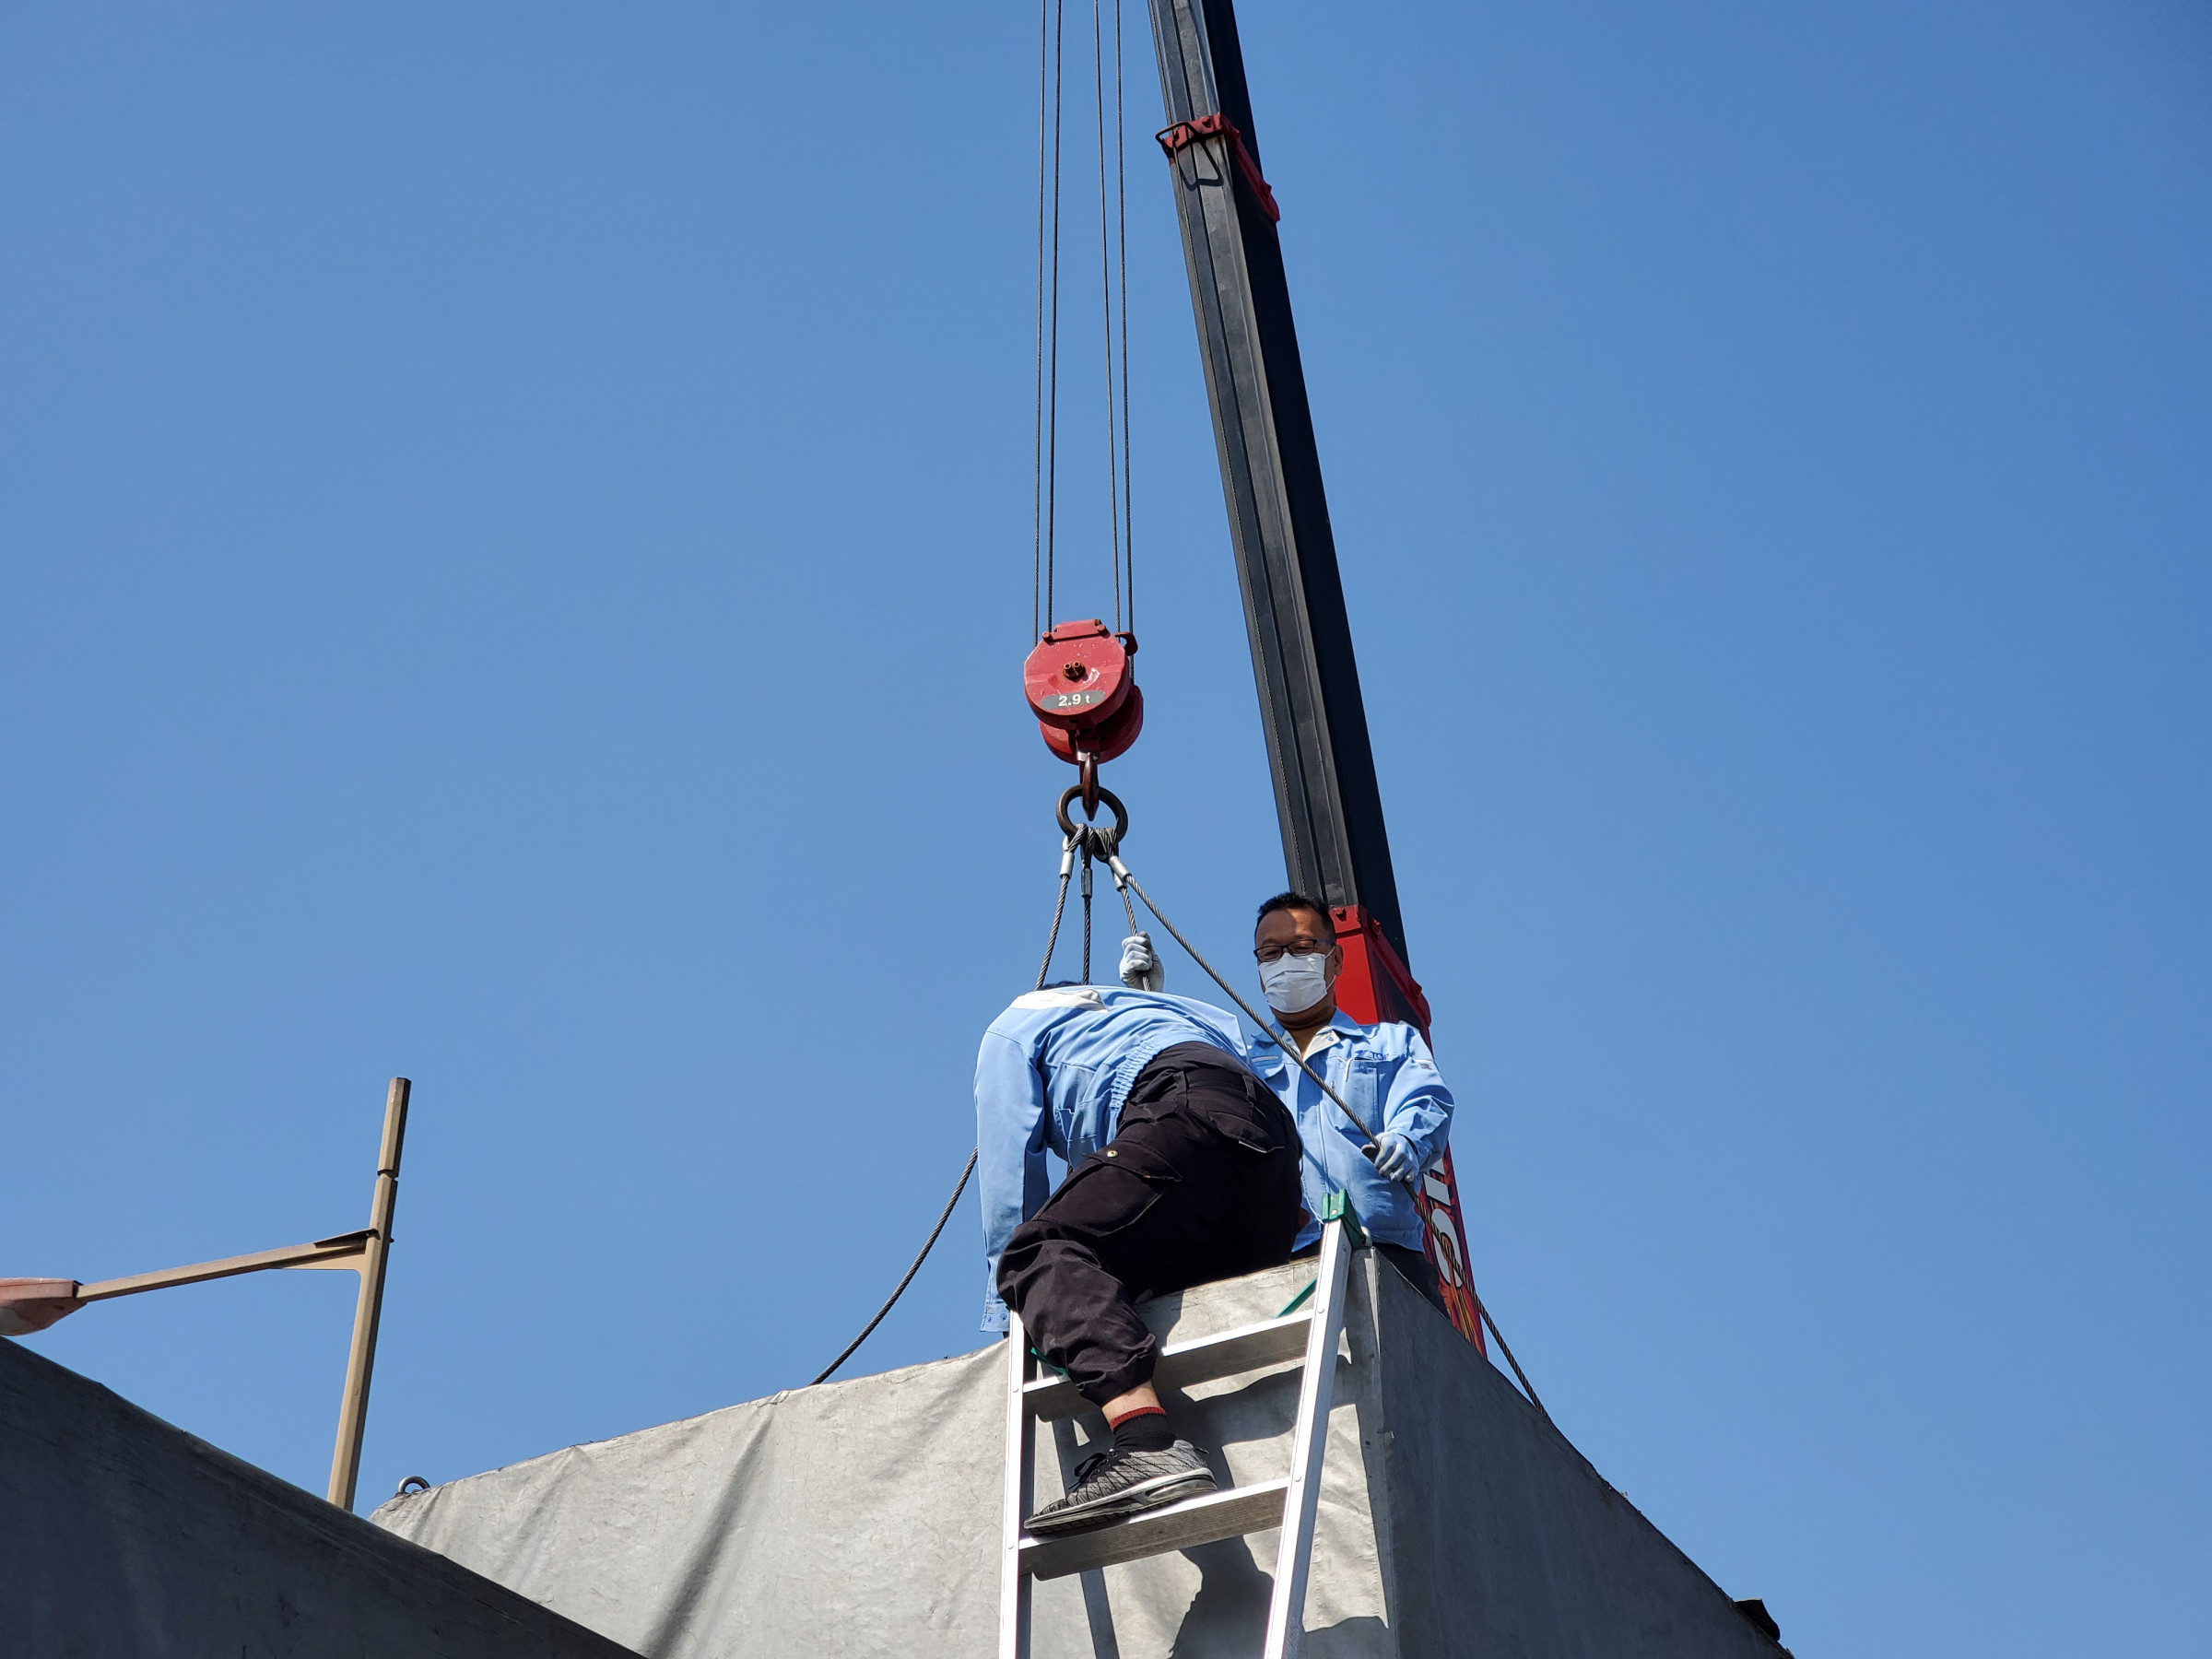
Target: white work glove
1141 969
1394 1159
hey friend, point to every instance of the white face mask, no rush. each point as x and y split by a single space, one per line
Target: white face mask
1294 983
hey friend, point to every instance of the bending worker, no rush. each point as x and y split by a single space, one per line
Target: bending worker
1384 1071
1182 1168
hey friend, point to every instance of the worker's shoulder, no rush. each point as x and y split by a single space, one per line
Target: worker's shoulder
1032 1016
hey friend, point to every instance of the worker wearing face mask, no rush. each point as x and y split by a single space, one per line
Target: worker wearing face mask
1384 1072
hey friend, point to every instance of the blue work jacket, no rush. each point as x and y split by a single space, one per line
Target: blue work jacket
1385 1074
1051 1074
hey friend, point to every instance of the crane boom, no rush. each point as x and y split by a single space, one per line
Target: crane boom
1335 843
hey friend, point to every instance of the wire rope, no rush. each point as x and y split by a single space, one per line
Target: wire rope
929 1244
1051 938
1052 373
1122 875
1121 204
1037 445
1087 911
1110 133
1113 458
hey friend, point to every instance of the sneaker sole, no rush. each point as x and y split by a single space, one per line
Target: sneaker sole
1156 1493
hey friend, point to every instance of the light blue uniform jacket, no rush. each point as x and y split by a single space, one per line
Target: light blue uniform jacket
1385 1074
1051 1074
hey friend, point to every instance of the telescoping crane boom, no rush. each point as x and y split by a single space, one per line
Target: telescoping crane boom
1335 845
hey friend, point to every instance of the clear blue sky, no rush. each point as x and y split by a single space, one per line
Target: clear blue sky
516 525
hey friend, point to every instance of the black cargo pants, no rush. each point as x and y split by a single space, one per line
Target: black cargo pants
1201 1182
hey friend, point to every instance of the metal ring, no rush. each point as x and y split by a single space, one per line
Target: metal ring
1121 812
411 1485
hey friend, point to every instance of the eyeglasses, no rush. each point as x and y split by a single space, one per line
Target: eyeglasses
1300 946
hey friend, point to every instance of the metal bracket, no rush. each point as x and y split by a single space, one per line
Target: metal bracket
1183 133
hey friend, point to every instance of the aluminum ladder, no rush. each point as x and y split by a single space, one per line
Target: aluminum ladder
1312 1330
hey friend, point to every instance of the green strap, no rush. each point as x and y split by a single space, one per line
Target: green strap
1335 1208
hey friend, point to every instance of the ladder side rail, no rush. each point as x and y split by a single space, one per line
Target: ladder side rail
1014 1579
1309 1444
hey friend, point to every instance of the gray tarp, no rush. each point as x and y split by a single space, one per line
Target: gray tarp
122 1538
861 1518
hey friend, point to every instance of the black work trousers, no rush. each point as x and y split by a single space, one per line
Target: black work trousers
1200 1183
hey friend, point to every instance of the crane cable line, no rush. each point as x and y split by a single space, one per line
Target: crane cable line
1088 839
1044 969
1113 283
1122 876
1113 299
1045 502
1113 280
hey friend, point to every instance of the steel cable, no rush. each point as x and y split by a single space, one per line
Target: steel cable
1037 492
1114 279
1121 207
1122 875
1052 418
1052 939
1127 883
1114 460
1087 913
929 1244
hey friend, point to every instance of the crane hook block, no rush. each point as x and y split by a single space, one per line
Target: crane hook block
1081 685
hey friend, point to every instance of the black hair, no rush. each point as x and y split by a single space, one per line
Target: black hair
1292 901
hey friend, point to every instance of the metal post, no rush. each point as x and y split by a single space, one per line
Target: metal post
360 1359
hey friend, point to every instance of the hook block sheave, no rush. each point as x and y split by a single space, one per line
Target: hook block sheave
1081 685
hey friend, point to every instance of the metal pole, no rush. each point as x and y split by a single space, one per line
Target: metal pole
353 1406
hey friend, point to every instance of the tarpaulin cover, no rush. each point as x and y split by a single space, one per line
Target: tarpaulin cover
862 1518
123 1538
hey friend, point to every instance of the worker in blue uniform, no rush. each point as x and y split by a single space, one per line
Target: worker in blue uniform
1182 1168
1385 1072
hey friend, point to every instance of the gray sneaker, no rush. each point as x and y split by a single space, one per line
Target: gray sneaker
1114 1485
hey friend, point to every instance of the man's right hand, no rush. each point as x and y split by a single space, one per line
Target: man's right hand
1141 968
1394 1159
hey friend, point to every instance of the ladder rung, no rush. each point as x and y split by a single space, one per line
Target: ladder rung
1184 1525
1248 1348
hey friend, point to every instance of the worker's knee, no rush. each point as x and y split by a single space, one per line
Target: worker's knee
1040 1257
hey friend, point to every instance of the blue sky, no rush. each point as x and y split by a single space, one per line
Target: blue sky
516 528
